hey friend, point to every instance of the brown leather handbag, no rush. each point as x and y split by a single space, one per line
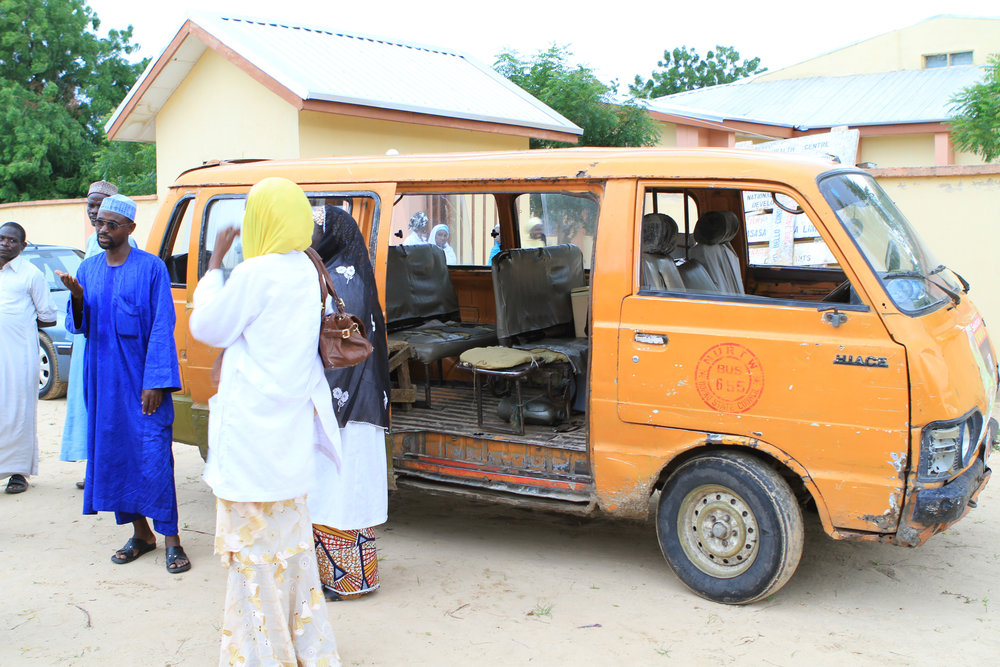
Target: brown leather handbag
342 338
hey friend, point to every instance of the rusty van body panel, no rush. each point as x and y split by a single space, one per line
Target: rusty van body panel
841 399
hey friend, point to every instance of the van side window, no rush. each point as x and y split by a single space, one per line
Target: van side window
779 233
460 224
553 218
227 211
221 212
736 243
177 241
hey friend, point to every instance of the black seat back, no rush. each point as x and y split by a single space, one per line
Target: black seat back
418 286
532 290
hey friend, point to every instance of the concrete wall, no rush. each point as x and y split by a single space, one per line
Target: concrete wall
902 49
323 134
220 112
956 210
65 221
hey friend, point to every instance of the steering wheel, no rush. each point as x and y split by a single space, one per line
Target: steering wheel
839 294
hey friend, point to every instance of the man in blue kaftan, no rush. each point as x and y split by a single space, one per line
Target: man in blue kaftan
74 439
121 301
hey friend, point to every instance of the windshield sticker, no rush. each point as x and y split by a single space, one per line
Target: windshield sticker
729 378
860 360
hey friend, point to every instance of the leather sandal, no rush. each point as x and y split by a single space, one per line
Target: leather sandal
174 553
132 550
16 484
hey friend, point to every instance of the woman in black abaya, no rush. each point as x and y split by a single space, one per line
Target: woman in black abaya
346 504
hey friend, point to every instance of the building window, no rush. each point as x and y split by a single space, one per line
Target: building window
960 58
948 59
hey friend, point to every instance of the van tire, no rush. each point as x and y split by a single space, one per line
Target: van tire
49 386
730 527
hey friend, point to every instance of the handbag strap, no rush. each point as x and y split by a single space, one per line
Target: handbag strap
325 282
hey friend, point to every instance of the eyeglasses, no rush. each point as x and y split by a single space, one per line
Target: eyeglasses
109 225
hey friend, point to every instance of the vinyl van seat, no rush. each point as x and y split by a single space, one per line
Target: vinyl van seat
659 272
713 233
422 308
532 290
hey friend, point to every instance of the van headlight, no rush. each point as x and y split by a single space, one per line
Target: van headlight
946 447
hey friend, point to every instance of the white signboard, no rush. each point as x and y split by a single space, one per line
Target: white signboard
813 253
841 144
768 223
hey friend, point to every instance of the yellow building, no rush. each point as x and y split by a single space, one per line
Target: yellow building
894 91
226 88
231 88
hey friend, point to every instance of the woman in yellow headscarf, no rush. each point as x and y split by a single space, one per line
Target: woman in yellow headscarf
272 406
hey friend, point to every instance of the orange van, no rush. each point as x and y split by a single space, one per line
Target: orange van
724 337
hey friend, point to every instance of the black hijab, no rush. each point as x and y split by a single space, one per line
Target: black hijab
360 393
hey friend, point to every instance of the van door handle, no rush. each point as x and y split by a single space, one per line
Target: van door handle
650 339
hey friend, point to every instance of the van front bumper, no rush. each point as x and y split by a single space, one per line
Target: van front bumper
929 511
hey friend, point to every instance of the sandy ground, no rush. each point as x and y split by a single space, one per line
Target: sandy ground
468 583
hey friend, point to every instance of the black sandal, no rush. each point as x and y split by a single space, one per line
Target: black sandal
174 553
132 550
16 484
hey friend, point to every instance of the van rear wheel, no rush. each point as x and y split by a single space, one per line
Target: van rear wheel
730 527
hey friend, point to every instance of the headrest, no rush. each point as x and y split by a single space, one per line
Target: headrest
716 227
659 232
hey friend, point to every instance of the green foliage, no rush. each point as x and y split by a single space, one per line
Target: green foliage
576 93
683 69
976 127
129 165
58 80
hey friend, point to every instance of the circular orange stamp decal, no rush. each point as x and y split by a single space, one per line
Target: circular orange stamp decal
729 378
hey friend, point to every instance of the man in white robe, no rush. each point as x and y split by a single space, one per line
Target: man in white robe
25 305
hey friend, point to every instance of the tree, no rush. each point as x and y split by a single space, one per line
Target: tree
577 94
976 126
683 69
58 81
129 165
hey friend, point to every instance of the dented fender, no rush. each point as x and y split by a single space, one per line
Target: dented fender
626 481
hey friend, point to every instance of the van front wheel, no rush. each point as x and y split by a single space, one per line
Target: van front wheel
730 527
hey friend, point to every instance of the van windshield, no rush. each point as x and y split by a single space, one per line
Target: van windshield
912 278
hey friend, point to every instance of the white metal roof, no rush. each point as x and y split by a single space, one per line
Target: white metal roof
886 98
325 65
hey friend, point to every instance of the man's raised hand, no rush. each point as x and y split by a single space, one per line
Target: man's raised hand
71 284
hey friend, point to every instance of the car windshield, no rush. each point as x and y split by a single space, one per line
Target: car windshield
50 260
912 278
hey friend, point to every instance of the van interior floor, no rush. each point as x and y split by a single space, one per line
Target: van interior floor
453 410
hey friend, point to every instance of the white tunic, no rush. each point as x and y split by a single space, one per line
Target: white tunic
273 408
24 298
352 496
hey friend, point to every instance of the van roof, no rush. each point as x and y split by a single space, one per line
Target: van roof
553 164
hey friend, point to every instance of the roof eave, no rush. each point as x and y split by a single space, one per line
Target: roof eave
560 130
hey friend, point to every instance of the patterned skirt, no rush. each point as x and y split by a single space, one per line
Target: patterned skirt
275 613
348 564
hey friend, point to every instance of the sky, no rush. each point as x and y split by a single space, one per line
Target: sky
616 39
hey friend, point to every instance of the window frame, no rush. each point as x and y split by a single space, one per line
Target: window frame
168 246
310 194
686 187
